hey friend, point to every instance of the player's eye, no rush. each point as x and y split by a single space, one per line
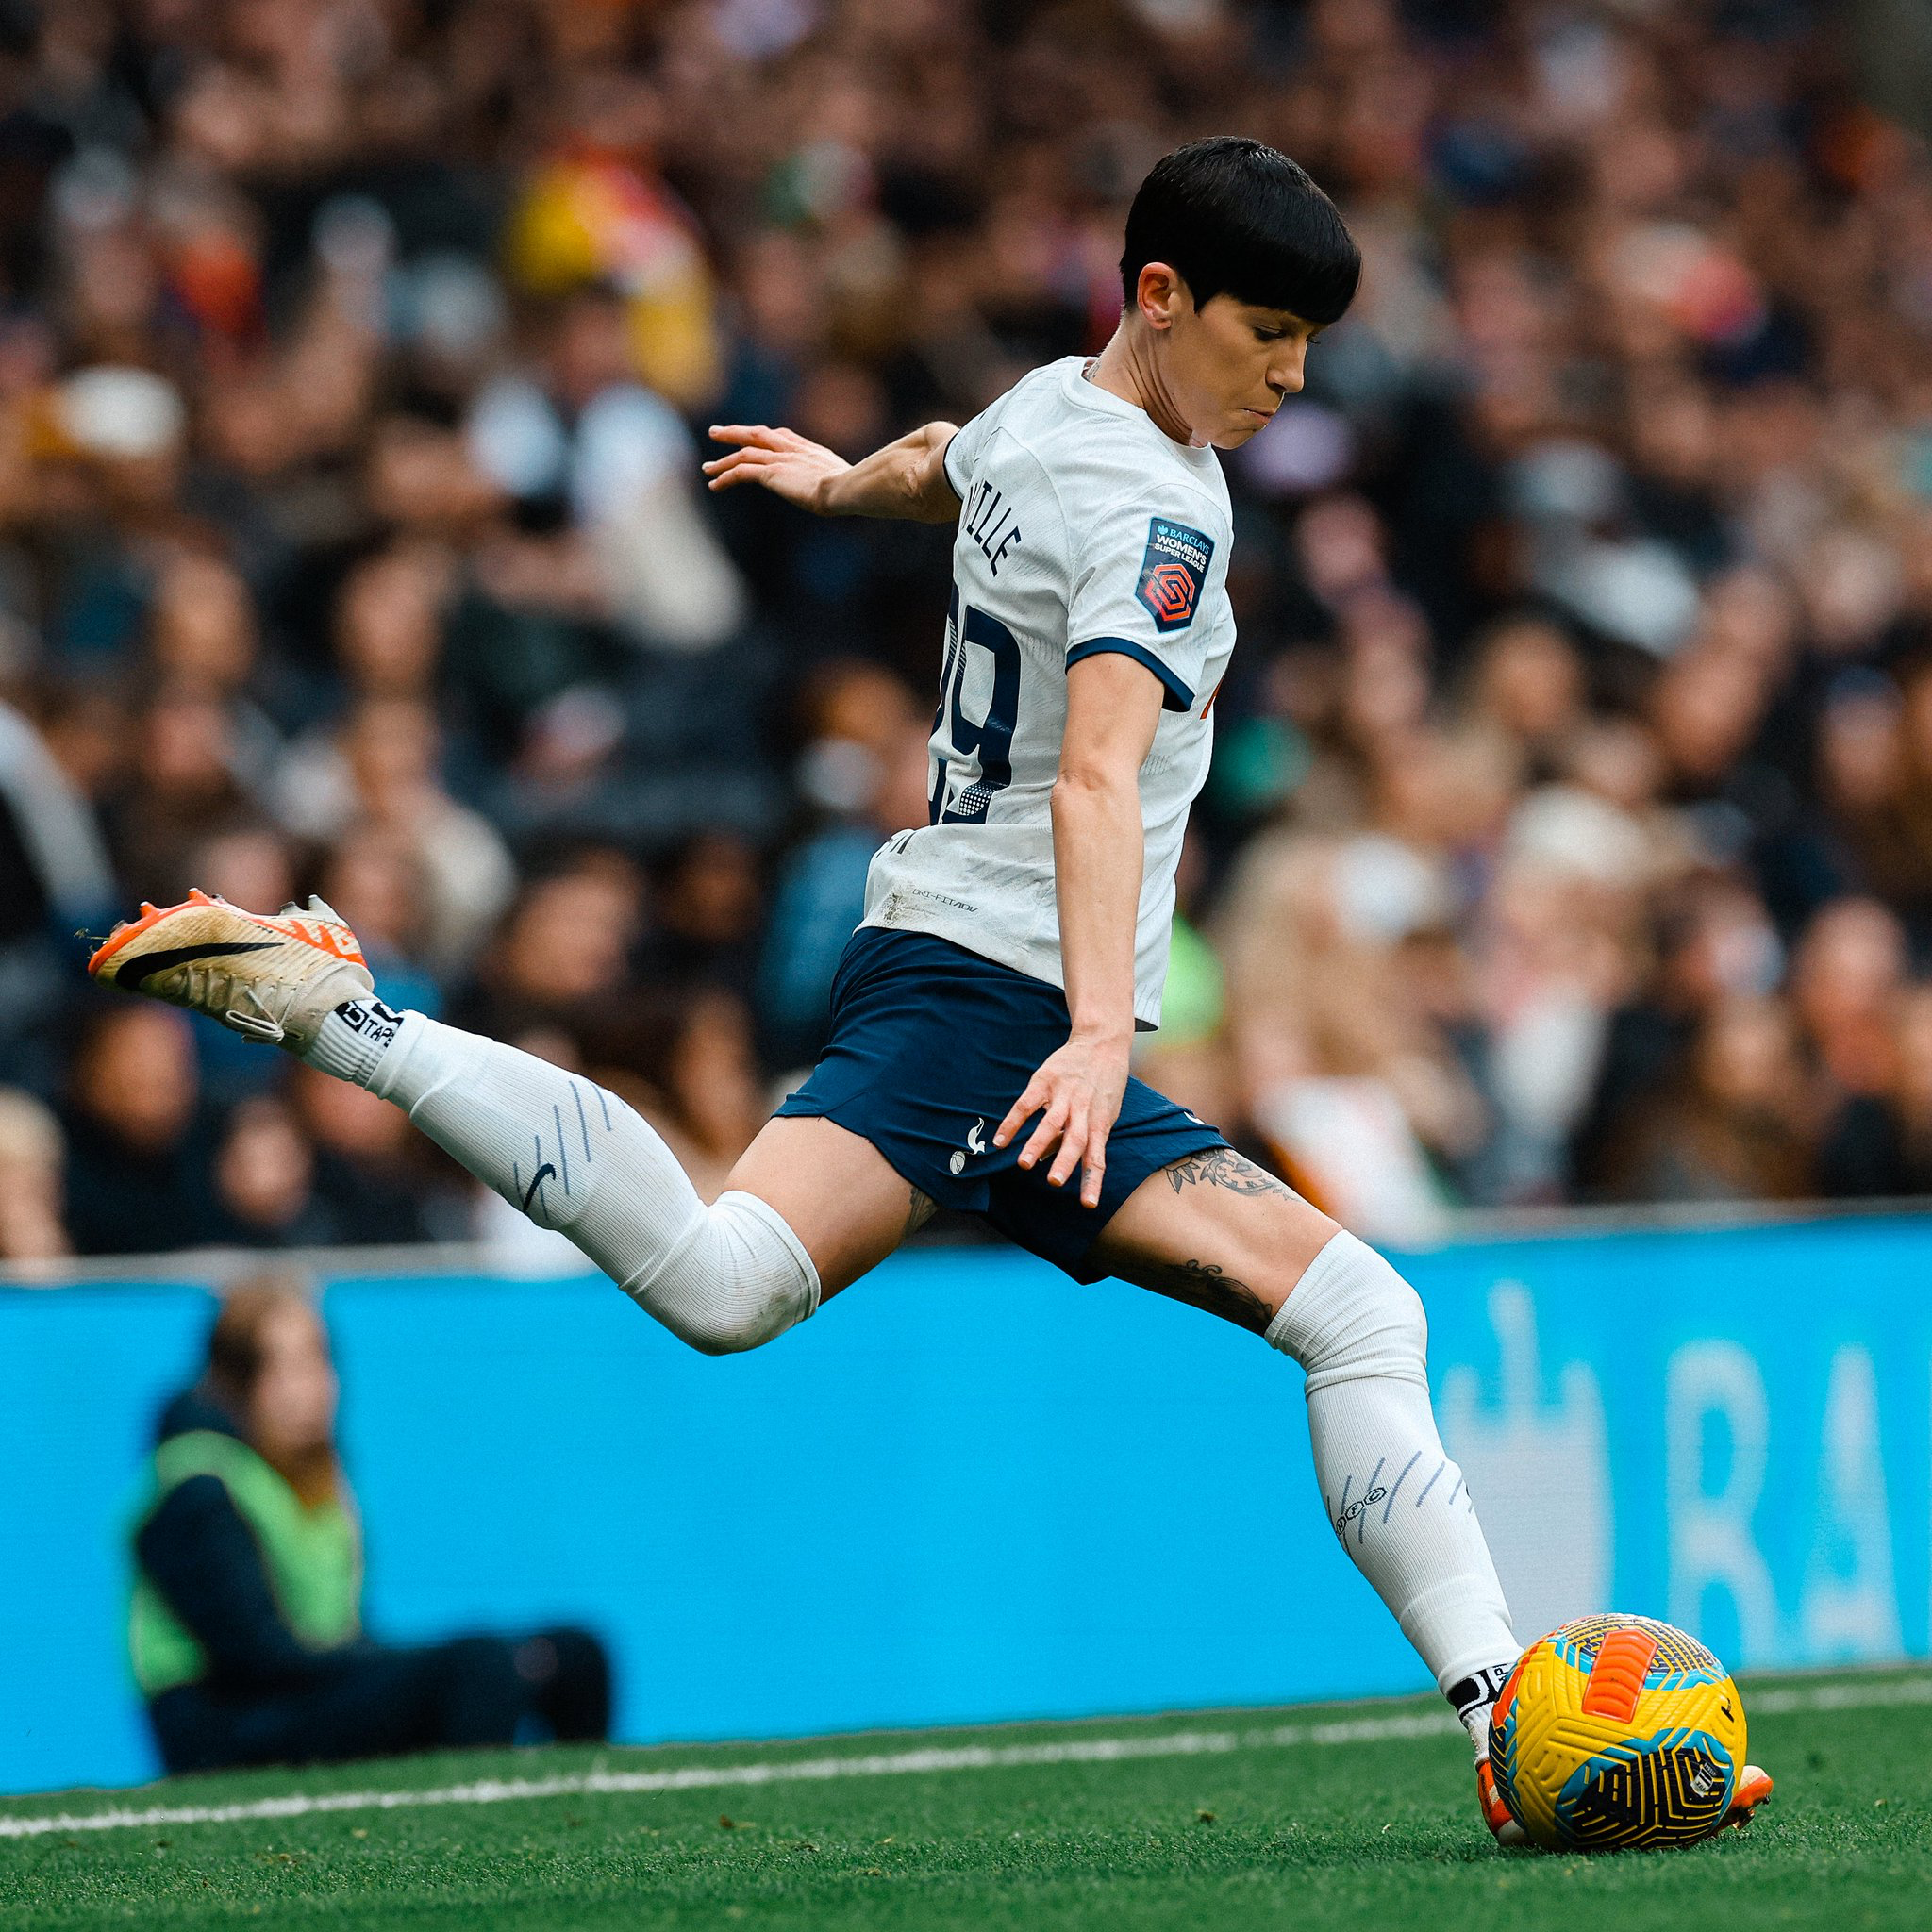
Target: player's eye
1270 334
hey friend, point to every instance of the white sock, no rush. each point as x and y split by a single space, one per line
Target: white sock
1394 1498
574 1157
353 1041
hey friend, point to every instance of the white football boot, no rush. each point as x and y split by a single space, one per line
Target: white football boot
273 979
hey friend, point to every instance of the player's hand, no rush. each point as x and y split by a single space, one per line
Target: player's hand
1079 1088
787 463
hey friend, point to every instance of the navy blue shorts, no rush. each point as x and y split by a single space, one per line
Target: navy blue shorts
930 1046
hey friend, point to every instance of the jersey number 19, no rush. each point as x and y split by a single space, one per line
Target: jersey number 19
988 743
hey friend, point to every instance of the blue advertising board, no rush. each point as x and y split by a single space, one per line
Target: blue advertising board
971 1489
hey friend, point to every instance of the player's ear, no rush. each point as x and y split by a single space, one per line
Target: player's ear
1161 295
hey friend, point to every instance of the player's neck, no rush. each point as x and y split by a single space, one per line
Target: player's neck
1130 368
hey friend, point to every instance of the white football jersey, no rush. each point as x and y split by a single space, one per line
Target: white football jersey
1083 529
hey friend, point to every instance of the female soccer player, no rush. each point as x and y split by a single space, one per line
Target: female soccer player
984 1012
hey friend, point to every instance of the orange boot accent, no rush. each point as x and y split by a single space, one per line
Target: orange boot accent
133 928
1496 1814
1753 1788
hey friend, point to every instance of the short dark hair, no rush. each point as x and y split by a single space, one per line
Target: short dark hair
1232 216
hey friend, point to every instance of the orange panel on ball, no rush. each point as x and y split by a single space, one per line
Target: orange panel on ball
1616 1677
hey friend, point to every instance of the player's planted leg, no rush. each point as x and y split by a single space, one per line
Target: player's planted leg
1393 1495
1216 1231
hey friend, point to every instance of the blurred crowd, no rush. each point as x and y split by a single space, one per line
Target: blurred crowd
1569 831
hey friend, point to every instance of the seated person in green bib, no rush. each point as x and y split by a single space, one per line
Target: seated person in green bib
247 1625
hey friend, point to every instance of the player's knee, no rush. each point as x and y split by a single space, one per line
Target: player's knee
1351 1316
739 1280
747 1321
1404 1333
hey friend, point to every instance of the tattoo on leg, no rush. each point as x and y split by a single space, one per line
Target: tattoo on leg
922 1209
1207 1285
1221 1167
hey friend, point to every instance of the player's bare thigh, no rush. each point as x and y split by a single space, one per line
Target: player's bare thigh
839 1195
1218 1232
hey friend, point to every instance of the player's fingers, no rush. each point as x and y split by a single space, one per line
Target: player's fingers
736 460
770 467
1073 1141
1022 1111
1040 1142
1044 1134
741 432
755 454
1092 1167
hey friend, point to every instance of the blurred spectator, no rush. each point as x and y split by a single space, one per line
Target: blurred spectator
184 782
1734 1125
595 215
380 768
1342 1063
1880 1145
709 905
370 1169
138 1142
1714 941
1527 688
246 1624
582 440
687 1062
32 1181
865 770
55 879
54 870
1846 980
564 944
373 879
265 1176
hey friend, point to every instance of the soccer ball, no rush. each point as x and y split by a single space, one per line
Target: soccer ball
1617 1733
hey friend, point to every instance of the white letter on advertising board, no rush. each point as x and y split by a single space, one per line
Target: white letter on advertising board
1540 1472
1850 1605
1711 1542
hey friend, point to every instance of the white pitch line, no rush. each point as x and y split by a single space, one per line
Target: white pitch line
779 1770
1770 1703
696 1777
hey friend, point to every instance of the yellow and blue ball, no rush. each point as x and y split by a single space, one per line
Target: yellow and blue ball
1618 1733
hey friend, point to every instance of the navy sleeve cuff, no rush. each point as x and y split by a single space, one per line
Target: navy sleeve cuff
1179 697
957 484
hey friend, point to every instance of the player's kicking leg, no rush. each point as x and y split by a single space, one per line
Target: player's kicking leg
570 1156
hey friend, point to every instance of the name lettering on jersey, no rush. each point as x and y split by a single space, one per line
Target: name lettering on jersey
1173 567
989 524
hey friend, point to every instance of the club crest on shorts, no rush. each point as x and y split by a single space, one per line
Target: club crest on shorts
1171 573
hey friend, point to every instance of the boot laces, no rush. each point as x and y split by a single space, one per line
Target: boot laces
238 1003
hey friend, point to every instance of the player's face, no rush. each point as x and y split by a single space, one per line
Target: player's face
1231 363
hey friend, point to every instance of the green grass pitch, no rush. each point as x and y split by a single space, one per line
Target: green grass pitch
1306 1819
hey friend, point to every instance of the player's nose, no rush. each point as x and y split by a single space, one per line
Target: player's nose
1286 370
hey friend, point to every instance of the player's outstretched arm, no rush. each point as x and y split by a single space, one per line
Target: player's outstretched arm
905 479
1113 709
